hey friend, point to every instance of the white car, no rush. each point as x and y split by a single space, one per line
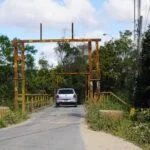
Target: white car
66 96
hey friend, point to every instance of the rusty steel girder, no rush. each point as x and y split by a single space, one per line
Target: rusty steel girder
60 40
72 73
15 44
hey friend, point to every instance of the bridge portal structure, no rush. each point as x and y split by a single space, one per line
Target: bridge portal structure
19 58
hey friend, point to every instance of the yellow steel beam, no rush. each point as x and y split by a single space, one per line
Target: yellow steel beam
15 75
90 69
97 61
60 40
72 73
23 78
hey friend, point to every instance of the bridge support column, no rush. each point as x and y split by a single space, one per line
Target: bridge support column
90 93
15 43
23 77
97 59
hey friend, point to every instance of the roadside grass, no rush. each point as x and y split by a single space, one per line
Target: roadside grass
13 117
112 104
135 128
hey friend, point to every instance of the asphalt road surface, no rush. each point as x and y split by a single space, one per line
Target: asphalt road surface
50 129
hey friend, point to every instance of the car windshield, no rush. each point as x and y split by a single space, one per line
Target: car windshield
65 91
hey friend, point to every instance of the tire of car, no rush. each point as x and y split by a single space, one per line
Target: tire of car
75 105
57 104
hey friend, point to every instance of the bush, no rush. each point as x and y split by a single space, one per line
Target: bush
139 133
111 104
92 116
2 123
143 115
13 117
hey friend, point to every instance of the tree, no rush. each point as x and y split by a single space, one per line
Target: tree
6 68
117 61
6 50
30 51
6 65
43 63
143 80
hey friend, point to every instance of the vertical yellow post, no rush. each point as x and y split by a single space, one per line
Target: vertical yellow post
97 67
32 104
88 88
23 78
15 43
28 103
90 69
97 61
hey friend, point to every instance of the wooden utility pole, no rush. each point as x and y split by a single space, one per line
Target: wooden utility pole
41 31
139 29
72 30
134 20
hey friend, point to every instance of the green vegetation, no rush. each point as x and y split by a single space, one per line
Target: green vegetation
111 104
135 128
118 65
143 80
13 118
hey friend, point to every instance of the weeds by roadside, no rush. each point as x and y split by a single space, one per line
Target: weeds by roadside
13 117
135 128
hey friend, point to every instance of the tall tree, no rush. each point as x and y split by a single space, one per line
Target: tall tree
6 50
6 65
118 64
143 80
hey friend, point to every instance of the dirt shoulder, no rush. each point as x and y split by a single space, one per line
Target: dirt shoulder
102 141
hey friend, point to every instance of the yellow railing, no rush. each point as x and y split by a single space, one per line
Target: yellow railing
3 111
35 101
108 95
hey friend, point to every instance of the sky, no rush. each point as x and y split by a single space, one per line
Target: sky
92 18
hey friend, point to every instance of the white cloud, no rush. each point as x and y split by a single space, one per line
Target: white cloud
52 13
48 52
122 10
94 34
119 9
104 36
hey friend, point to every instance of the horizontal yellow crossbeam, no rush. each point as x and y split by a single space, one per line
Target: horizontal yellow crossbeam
72 73
60 40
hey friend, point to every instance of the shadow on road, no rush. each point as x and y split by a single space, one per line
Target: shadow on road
77 115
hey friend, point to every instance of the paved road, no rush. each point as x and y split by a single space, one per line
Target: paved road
51 129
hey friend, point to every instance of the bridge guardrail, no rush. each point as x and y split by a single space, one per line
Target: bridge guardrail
107 95
115 96
3 111
35 101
